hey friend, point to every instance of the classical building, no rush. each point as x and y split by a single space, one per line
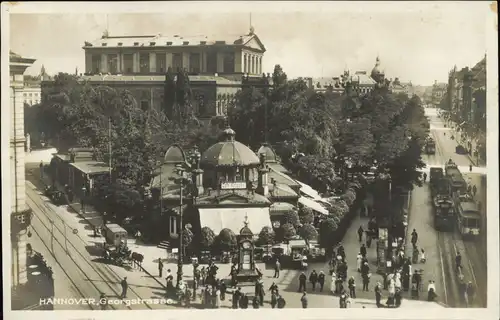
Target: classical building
217 66
438 92
32 93
20 213
230 183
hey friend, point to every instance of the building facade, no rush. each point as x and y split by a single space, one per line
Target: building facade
217 67
437 93
20 213
465 99
32 93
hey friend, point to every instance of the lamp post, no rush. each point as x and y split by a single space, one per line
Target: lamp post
181 170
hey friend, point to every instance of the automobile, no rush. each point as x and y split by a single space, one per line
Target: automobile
460 150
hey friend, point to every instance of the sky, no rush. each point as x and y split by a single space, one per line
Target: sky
417 42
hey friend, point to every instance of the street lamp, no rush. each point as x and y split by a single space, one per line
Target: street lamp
181 170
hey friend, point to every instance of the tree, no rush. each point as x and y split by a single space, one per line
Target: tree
187 237
226 239
327 229
288 231
291 217
207 237
308 232
306 215
266 235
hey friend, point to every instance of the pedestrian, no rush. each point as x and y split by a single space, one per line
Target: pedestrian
321 280
274 299
470 292
422 256
397 298
343 300
302 282
236 298
223 290
160 268
414 238
273 287
368 240
414 257
365 269
41 169
255 303
359 258
470 168
360 233
203 275
333 283
313 279
352 287
303 300
431 291
217 298
169 274
103 301
244 301
277 268
469 188
474 190
124 285
260 294
458 262
281 302
378 294
362 250
366 281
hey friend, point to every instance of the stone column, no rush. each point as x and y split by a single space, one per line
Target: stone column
260 65
136 67
104 63
252 64
244 63
185 61
152 62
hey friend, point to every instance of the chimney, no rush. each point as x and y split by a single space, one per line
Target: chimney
262 186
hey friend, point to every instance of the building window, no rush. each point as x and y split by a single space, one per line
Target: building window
24 94
96 63
30 94
194 63
144 63
113 63
177 62
228 62
144 105
173 226
161 62
128 63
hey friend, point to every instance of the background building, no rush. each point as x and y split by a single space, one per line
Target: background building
20 216
437 93
217 66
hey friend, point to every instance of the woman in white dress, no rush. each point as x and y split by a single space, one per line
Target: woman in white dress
217 299
332 283
358 261
397 282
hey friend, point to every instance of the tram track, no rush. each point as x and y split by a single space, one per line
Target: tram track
106 274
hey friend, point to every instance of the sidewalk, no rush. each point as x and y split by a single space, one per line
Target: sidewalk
474 160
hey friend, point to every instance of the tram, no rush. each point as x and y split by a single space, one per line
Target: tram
468 219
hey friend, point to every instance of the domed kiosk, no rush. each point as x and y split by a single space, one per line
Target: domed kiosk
235 183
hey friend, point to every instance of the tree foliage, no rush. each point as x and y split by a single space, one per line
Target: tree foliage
288 231
308 232
226 239
327 229
266 235
207 237
291 217
187 237
306 215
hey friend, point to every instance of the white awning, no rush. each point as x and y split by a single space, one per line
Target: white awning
313 205
308 191
234 218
